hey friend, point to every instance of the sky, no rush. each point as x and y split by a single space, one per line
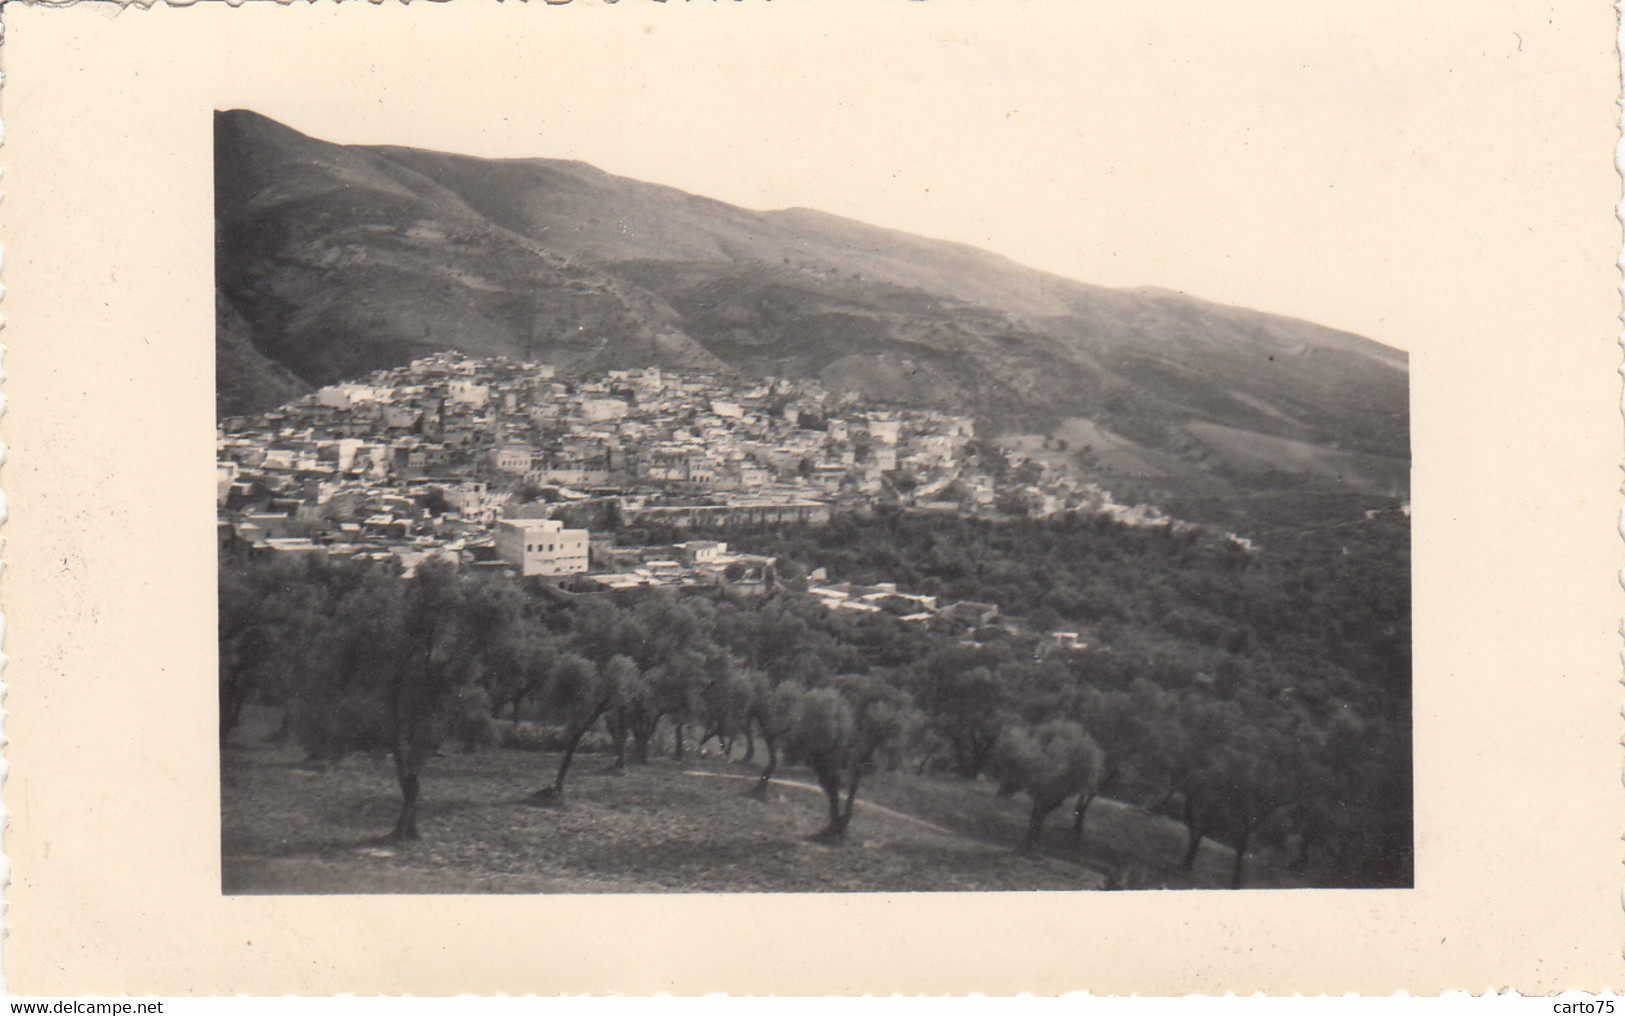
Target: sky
1330 161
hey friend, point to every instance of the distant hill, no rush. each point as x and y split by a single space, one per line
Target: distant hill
334 260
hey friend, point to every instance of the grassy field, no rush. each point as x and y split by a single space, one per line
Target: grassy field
669 826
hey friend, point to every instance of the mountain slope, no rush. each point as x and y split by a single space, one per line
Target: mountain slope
342 259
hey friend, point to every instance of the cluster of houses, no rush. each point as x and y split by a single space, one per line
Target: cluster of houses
636 432
649 429
967 618
494 464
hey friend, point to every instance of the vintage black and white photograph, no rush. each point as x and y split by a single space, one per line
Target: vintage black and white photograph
858 497
592 525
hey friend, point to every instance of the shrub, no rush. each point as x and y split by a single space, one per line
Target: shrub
528 736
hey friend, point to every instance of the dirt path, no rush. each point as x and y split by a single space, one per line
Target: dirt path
1103 803
870 805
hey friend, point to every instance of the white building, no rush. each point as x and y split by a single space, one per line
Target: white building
225 474
884 431
702 551
343 396
467 393
334 397
348 447
472 496
598 410
542 546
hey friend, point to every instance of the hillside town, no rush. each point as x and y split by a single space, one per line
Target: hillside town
520 466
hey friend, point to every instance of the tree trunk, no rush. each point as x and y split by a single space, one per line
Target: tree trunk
284 729
982 747
851 800
772 764
1082 812
1162 803
643 731
576 734
1238 871
750 744
677 751
925 763
406 824
962 762
411 748
1195 831
1300 859
231 709
228 708
406 774
564 765
617 730
831 784
1035 824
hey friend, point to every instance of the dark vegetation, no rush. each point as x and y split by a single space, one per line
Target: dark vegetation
1322 613
1258 699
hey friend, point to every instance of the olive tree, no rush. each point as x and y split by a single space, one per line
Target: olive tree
1049 762
389 672
578 693
844 731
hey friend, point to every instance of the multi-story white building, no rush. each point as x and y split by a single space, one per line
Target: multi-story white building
702 551
512 459
884 431
542 546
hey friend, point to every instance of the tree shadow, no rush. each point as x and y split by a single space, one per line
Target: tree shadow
547 797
